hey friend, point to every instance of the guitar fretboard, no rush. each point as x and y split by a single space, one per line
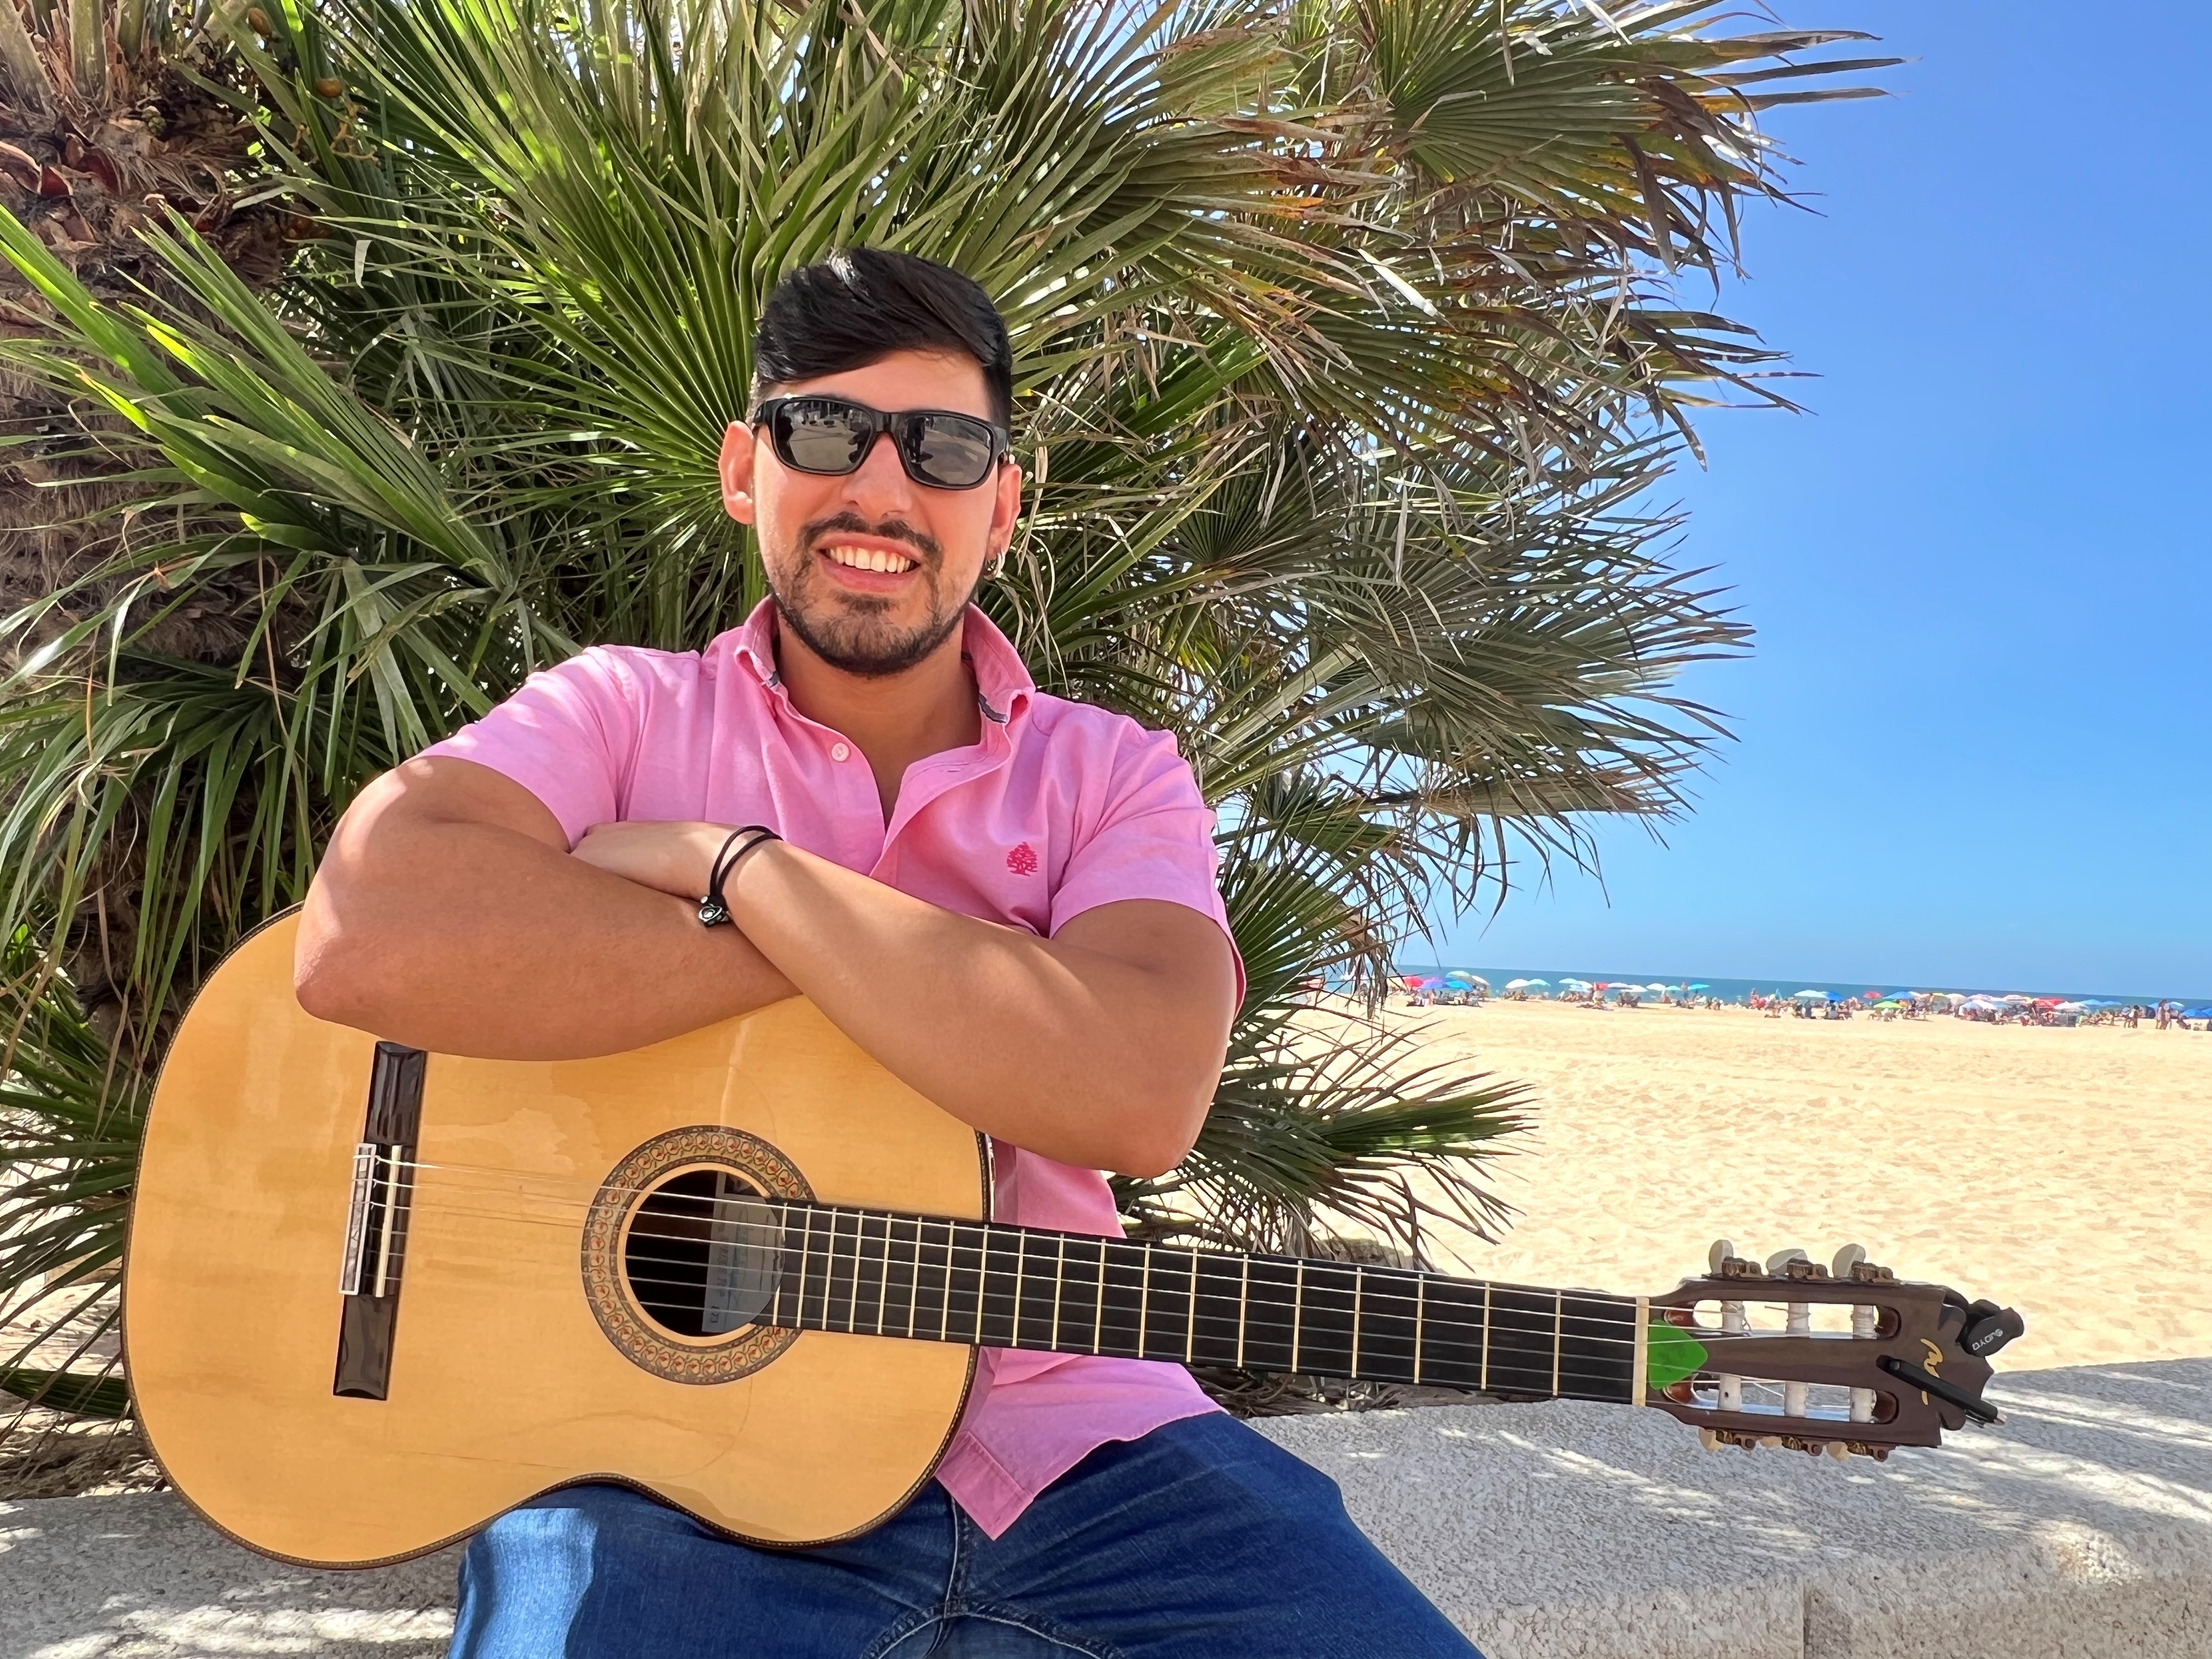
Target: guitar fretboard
883 1274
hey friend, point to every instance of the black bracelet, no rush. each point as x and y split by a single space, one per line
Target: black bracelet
713 910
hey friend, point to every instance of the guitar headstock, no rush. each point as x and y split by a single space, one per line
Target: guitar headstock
1859 1360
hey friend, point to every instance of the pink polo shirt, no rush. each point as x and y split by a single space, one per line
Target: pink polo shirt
1060 808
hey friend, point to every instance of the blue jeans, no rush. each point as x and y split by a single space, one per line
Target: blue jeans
1201 1541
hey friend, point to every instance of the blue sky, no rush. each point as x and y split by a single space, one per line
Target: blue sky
1975 740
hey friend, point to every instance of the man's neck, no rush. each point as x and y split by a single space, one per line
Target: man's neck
894 720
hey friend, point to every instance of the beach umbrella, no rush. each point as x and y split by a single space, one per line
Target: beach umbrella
1517 984
1459 976
1532 983
1658 988
1410 981
1808 996
1700 986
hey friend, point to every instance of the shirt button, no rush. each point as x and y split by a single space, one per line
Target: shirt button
839 751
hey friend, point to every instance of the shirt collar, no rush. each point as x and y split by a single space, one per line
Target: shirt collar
1004 688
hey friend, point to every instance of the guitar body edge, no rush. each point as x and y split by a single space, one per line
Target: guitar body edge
502 1382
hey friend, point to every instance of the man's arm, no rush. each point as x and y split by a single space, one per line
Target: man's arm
449 915
1100 1046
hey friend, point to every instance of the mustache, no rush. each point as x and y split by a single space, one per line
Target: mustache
893 530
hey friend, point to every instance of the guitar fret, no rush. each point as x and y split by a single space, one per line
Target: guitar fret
1190 1335
1358 1285
884 1279
806 1255
1059 1284
1243 1305
914 1290
982 1278
1559 1333
782 1255
1483 1381
1098 1315
1298 1314
852 1297
1021 1256
945 1314
1143 1300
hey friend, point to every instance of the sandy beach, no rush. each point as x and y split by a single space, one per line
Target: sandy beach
2065 1172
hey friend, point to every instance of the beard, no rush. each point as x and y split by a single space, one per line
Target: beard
856 632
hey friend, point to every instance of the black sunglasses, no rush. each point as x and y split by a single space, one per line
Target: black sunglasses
939 448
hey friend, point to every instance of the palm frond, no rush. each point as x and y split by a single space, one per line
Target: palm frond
1350 337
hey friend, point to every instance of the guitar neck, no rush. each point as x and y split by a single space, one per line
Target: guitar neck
885 1273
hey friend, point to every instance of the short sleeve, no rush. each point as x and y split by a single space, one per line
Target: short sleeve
569 736
1154 839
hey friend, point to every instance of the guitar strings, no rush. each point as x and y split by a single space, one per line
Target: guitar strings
1175 1258
1520 1368
1770 1299
1522 1350
1399 1282
785 1206
1527 1338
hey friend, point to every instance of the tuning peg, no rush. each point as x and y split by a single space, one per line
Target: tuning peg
1781 1259
1846 1259
1836 1449
1722 1250
1709 1439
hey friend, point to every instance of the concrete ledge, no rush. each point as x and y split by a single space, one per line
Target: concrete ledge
2084 1526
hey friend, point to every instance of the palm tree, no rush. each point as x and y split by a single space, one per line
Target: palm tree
1349 342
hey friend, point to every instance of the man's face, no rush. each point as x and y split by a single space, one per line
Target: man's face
873 571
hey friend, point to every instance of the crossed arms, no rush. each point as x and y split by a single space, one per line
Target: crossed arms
450 914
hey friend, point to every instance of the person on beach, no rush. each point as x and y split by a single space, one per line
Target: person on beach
1006 898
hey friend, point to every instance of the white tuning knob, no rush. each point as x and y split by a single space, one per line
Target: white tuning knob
1836 1449
1846 1259
1708 1440
1782 1259
1722 1251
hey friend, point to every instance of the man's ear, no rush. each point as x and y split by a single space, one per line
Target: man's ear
1006 510
736 470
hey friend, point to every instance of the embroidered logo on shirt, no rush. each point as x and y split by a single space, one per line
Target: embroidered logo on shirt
1022 860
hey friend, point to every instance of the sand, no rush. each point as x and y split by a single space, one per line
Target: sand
2066 1173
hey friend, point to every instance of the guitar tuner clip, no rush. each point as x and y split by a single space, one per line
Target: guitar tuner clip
1990 1329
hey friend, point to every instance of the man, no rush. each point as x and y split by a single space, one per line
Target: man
1007 899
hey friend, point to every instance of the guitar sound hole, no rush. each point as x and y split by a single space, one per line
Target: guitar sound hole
703 1254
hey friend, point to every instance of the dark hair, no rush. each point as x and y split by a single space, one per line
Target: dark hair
861 304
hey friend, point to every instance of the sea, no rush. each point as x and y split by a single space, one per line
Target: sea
1739 990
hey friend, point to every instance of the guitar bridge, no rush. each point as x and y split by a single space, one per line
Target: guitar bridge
376 1223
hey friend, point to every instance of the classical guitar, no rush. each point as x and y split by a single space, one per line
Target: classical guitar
375 1297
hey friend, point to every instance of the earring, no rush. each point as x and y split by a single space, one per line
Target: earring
997 563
